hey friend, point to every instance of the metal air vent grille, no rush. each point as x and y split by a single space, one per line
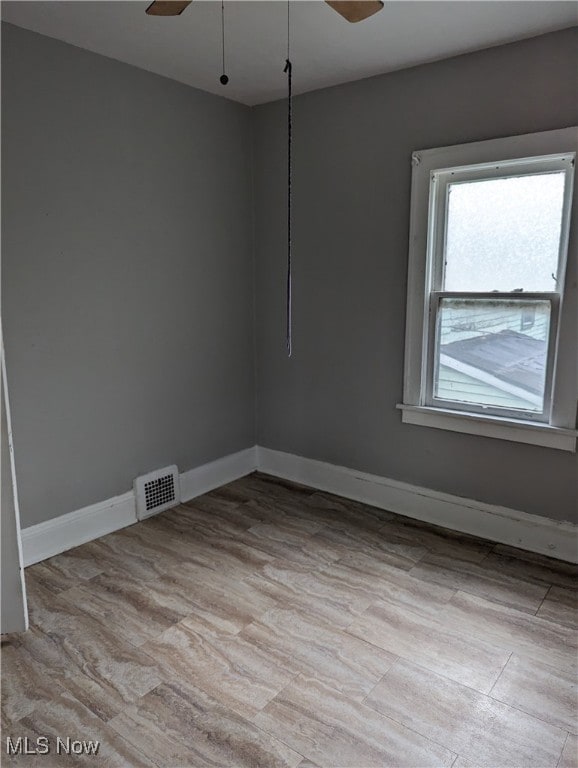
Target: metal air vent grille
157 491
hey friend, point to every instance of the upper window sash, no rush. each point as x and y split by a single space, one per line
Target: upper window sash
441 178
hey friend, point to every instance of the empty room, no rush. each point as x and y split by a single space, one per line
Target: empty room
289 384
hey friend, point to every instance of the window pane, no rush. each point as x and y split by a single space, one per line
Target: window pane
492 352
504 234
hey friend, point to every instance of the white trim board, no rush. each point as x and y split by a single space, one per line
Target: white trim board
67 531
62 533
531 432
206 478
500 524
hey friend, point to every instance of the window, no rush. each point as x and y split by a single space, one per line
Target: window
492 310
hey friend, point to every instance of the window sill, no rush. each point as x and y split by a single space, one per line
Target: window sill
490 426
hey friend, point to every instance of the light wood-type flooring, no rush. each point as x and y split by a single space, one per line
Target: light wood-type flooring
267 625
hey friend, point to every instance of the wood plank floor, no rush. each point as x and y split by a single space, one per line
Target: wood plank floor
267 625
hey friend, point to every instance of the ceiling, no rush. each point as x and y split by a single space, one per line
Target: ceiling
325 49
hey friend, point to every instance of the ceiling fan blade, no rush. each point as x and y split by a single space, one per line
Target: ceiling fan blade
167 7
356 10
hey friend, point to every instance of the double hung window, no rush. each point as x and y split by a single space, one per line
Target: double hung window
492 311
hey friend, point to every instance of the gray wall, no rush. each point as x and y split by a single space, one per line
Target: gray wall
128 270
334 400
127 273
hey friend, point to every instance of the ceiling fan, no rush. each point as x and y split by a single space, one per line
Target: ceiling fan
351 10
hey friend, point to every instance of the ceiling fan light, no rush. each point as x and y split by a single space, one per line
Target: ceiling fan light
167 7
355 10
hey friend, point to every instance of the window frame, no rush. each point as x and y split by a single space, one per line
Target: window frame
432 171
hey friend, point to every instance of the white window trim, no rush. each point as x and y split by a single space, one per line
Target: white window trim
561 431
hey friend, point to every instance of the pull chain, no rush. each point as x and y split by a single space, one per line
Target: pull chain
288 71
224 79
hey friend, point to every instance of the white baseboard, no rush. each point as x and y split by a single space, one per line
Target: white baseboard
203 479
52 537
67 531
500 524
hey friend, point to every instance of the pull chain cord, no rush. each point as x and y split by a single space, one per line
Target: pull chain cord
224 79
288 71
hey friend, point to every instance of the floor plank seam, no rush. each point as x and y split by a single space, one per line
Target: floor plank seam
537 611
500 674
562 752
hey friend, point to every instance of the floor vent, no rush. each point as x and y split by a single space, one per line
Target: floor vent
157 491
